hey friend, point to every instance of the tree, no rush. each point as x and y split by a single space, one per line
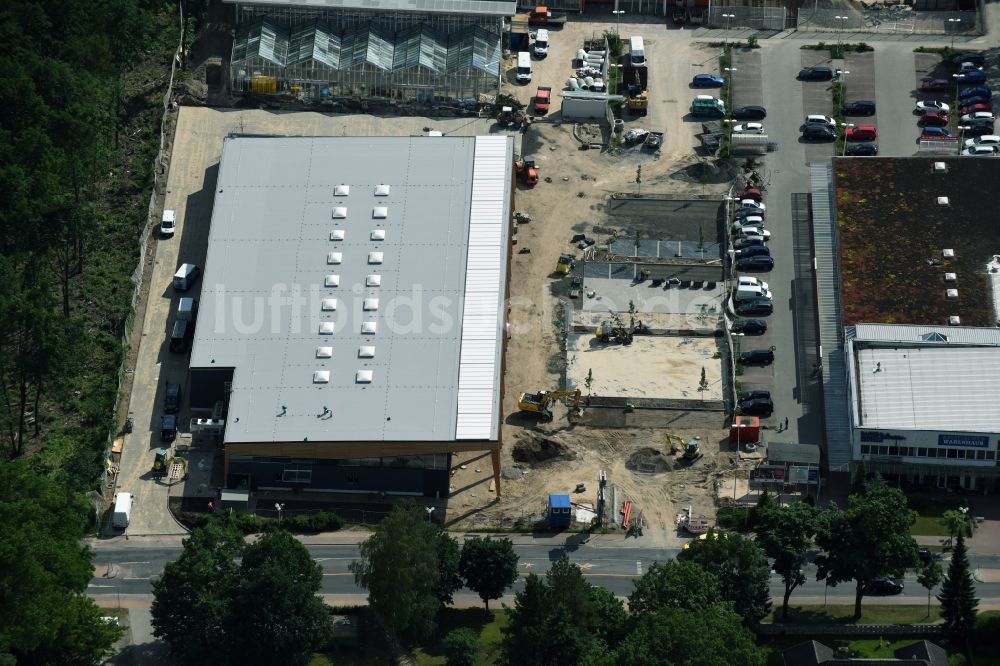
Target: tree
449 579
401 569
190 608
638 178
785 533
959 604
275 614
589 381
488 566
741 568
702 383
870 538
957 522
461 647
44 572
713 636
929 577
674 584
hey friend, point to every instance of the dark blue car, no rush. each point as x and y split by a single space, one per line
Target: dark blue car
976 91
974 76
707 81
936 133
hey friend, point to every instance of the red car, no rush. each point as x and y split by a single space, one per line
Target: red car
933 85
861 133
934 119
752 193
985 106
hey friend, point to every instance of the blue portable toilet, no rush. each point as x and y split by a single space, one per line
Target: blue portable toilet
559 511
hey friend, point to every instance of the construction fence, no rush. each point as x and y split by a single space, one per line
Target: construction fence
735 16
891 20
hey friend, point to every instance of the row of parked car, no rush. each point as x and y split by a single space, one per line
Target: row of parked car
751 254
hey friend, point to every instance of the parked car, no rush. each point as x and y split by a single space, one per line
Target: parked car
748 221
754 394
923 106
985 140
861 150
752 205
975 91
816 74
760 407
936 134
748 281
934 85
168 428
980 151
861 133
968 108
975 76
749 231
749 240
884 585
751 193
758 307
707 81
757 357
748 128
966 67
760 264
934 119
754 251
976 99
860 108
817 119
974 57
978 128
816 132
750 113
172 398
750 327
978 115
924 554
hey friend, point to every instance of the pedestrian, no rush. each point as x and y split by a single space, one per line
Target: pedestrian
786 423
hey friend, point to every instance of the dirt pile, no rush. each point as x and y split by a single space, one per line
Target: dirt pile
649 461
719 171
535 450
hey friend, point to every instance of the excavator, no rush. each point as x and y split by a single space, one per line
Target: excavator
541 402
614 331
565 264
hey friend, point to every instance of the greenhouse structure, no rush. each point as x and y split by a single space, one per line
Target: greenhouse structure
371 60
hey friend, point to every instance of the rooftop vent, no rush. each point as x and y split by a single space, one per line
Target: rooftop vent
940 167
380 212
334 257
370 304
951 294
329 304
373 281
321 377
378 234
324 352
951 277
364 377
340 212
942 201
369 327
337 234
332 281
948 253
381 190
326 328
367 351
374 257
341 190
954 320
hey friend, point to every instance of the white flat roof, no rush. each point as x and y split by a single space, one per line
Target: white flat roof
411 356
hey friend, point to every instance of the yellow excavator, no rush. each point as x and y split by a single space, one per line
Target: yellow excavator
541 402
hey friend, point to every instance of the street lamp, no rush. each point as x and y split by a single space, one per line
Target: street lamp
731 70
430 511
725 37
278 507
839 47
954 20
845 126
842 75
617 13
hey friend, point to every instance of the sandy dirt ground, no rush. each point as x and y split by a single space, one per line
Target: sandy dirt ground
650 367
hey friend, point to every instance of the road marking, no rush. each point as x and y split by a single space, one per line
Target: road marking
132 563
527 565
638 567
92 585
136 578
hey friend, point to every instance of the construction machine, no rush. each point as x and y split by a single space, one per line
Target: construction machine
692 450
160 461
526 169
565 264
541 402
614 331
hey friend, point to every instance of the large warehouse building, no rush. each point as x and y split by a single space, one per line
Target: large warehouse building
350 336
398 51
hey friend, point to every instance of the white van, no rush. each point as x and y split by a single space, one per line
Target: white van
168 223
748 293
541 47
637 52
122 512
523 67
185 276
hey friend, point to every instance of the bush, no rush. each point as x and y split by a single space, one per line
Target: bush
461 647
741 519
322 521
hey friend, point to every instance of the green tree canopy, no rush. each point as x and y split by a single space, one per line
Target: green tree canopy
870 538
959 605
489 566
930 576
713 636
741 568
461 647
44 572
673 584
785 533
400 567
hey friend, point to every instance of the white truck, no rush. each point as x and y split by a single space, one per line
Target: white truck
122 512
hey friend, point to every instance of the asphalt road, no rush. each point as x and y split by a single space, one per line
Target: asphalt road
614 568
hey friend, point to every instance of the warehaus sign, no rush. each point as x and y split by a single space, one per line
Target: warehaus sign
964 440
